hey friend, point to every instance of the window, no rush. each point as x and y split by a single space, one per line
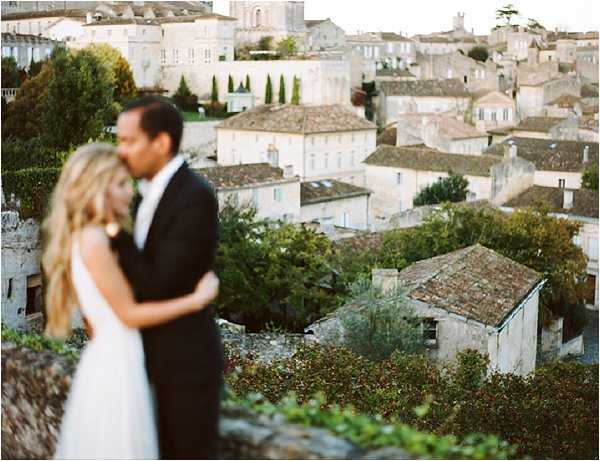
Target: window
352 158
390 47
326 161
312 162
561 183
339 160
109 32
592 248
143 31
125 32
326 139
577 240
163 57
481 113
345 219
278 194
505 114
175 56
399 179
191 57
430 332
207 56
312 141
9 289
493 115
34 294
255 198
235 198
590 290
93 33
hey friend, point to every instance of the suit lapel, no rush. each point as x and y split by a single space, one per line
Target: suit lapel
164 208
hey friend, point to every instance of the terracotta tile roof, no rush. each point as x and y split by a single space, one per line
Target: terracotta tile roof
565 101
426 88
194 18
587 48
235 176
448 127
541 124
313 22
475 282
585 201
589 91
68 13
590 35
370 241
422 158
549 155
589 121
388 136
297 119
393 73
392 37
326 190
123 21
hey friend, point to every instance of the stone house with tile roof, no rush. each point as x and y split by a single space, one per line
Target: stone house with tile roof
395 49
541 87
26 48
580 205
443 97
557 163
274 194
397 174
558 128
324 34
586 62
335 203
313 142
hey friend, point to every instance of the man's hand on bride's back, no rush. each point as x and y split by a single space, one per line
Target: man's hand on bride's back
207 289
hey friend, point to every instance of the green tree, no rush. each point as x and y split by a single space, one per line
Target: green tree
230 88
479 53
287 46
268 91
376 324
79 101
121 75
214 93
10 73
296 92
265 43
589 180
35 67
506 13
534 24
281 90
454 188
248 82
184 98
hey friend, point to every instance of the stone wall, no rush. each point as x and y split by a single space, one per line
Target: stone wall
35 385
510 178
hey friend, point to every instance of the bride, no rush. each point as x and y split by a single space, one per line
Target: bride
109 412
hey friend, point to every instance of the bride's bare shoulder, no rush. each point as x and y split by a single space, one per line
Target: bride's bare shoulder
93 239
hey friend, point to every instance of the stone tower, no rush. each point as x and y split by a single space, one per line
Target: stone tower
458 21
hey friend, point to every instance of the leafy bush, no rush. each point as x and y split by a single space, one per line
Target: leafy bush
10 73
451 189
18 154
33 187
479 53
589 180
378 324
552 413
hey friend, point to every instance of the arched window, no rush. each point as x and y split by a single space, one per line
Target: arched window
257 18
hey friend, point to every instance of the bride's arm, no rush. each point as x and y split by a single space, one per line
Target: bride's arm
110 280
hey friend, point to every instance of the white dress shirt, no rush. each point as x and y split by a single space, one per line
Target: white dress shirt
152 191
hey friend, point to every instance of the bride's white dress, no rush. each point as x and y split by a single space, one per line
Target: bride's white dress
109 412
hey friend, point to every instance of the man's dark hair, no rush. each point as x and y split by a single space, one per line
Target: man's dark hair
159 114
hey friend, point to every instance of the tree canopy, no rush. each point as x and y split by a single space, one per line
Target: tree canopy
451 189
589 179
479 53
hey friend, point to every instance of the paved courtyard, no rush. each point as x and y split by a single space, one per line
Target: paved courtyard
590 339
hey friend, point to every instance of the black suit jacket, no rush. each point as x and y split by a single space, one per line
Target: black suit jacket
179 249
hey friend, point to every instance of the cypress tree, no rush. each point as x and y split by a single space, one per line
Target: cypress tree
269 91
296 91
230 88
281 90
247 82
214 94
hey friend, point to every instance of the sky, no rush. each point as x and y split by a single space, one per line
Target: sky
425 16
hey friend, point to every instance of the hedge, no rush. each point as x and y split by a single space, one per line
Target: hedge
32 187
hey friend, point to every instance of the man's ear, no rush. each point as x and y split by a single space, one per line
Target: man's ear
163 143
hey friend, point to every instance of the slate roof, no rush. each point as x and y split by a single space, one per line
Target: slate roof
27 38
475 282
326 190
585 201
297 119
235 176
538 124
422 158
426 88
549 155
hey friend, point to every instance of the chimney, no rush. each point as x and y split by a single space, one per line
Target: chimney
586 154
384 279
567 199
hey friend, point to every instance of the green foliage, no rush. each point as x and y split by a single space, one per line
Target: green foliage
230 88
479 53
378 324
184 98
10 73
454 188
506 12
534 24
79 101
265 43
372 432
272 272
287 46
23 116
35 67
296 92
214 92
33 187
281 90
121 76
458 399
269 91
589 180
248 83
18 155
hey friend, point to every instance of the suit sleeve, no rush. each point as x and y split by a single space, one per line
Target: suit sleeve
186 251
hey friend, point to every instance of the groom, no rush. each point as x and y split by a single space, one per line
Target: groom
173 245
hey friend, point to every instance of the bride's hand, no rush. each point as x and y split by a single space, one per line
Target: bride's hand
206 290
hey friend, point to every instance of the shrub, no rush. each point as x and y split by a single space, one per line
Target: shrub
10 73
268 91
451 189
589 180
281 90
184 98
296 92
265 43
33 187
18 154
479 53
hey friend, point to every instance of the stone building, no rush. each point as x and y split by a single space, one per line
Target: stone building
397 174
586 62
240 100
27 48
564 129
444 97
446 134
541 88
324 34
334 203
436 44
274 19
493 110
557 163
579 205
392 48
55 24
313 142
272 191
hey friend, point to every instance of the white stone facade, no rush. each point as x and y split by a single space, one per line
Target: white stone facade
351 212
494 110
325 35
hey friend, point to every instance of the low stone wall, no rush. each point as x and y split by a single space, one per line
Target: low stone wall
573 347
35 385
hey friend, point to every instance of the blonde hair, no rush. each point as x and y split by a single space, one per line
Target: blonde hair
79 199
